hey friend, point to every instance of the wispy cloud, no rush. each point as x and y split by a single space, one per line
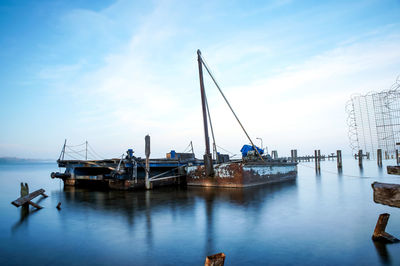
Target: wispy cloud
147 82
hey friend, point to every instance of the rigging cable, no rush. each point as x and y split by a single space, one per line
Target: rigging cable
211 126
230 107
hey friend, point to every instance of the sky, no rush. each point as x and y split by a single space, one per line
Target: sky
111 72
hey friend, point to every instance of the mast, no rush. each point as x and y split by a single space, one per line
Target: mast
207 156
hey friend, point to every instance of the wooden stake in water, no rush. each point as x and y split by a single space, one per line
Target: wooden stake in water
339 159
379 157
360 157
379 232
147 152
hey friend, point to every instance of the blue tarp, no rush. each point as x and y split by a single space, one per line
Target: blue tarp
246 148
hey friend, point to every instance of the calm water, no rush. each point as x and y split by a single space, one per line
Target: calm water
316 220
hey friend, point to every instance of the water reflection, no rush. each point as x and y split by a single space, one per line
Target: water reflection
142 206
382 251
178 226
25 212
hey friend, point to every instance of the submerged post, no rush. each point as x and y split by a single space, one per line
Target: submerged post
379 232
339 159
397 157
360 157
147 152
379 157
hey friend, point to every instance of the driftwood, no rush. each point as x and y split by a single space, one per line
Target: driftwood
393 170
386 194
379 232
215 260
27 199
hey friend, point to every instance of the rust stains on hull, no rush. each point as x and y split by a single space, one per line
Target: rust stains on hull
240 174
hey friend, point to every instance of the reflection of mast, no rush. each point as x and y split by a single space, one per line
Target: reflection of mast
209 249
148 219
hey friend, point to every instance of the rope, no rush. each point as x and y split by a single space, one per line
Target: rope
230 107
99 156
211 126
335 173
186 148
75 145
234 154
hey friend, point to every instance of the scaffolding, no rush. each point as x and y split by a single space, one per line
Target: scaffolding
374 121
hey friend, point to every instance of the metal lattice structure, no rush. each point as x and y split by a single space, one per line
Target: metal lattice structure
374 120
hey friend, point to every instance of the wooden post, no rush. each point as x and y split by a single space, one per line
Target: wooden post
295 155
215 260
274 155
316 160
147 152
367 155
319 160
397 157
291 155
339 159
317 155
379 157
360 157
386 155
379 232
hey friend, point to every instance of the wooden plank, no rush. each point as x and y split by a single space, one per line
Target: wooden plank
393 170
35 205
22 200
386 194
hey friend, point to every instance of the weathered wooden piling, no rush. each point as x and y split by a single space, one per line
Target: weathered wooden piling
367 155
339 159
317 156
293 155
147 152
215 260
386 155
397 157
379 232
379 157
360 158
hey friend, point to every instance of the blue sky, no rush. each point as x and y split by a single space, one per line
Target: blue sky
111 72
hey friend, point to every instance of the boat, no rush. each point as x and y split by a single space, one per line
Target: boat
252 170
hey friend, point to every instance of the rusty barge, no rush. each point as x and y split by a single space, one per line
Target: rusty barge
254 169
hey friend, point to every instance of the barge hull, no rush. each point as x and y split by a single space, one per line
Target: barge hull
239 174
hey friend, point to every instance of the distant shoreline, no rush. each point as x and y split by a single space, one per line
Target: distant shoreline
15 160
